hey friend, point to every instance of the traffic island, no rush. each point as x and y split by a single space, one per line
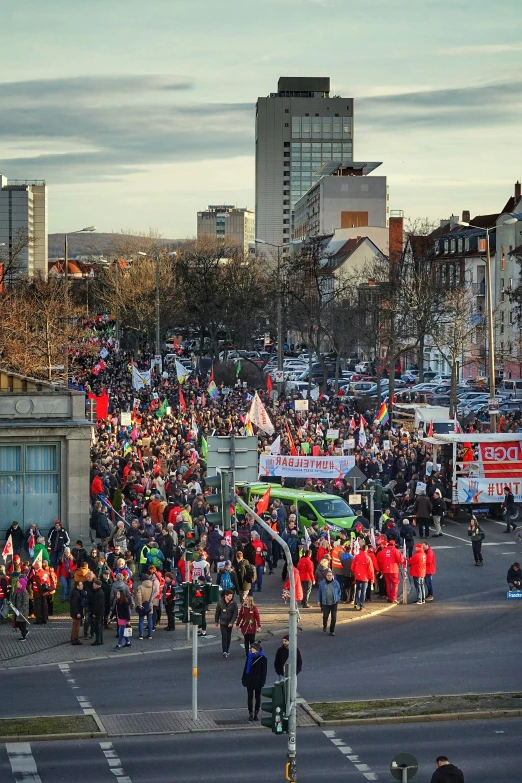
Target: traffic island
470 706
51 728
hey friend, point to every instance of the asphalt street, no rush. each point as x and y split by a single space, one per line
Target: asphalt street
465 641
487 752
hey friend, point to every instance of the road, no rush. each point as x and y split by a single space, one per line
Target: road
448 646
487 752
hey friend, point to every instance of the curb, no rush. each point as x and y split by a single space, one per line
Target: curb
43 737
426 718
312 713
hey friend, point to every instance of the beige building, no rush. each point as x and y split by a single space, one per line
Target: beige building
44 456
226 221
23 212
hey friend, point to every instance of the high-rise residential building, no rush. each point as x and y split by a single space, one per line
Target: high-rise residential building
344 197
298 129
226 221
23 213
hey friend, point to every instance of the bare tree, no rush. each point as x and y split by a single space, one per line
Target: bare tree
11 257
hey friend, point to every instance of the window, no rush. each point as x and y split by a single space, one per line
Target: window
287 124
446 245
482 245
287 111
466 244
461 243
452 245
29 484
502 258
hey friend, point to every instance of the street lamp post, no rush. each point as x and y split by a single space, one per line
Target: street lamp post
491 330
280 352
87 230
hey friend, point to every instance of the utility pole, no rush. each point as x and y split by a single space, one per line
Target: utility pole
158 346
291 762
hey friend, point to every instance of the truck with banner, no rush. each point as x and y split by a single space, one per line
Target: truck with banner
480 466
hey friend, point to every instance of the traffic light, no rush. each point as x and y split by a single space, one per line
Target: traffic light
276 707
190 539
220 498
197 602
182 601
211 593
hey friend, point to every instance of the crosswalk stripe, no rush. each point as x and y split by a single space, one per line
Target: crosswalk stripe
22 762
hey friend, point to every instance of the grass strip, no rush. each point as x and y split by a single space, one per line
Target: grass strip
421 705
61 724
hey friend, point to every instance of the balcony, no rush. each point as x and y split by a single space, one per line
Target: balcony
479 289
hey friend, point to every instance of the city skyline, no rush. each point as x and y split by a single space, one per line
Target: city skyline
132 135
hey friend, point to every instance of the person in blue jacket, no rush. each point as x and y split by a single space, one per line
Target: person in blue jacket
328 597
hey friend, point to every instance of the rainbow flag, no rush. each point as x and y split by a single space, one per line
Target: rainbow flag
383 415
213 390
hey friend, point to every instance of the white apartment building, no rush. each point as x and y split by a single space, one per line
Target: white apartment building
23 212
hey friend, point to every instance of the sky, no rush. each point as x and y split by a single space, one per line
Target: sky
139 113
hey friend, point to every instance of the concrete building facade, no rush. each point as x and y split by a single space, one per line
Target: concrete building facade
23 212
225 221
44 456
298 129
344 199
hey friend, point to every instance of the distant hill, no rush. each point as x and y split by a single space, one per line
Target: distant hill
103 244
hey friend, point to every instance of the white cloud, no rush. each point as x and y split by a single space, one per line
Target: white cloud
481 49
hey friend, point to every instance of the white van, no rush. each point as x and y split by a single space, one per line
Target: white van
510 389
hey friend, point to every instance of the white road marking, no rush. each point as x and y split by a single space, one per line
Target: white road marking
114 762
348 753
498 543
443 547
22 762
458 538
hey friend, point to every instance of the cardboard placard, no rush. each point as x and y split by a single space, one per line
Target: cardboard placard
348 444
332 434
355 500
126 419
386 445
301 405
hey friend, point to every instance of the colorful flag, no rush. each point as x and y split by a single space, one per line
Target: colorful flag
204 448
293 450
258 416
37 562
262 504
8 549
248 427
162 410
383 415
238 368
213 390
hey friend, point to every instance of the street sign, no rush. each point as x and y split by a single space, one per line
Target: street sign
279 376
233 453
404 767
355 473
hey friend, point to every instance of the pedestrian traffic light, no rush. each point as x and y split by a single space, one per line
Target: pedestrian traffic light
182 601
211 593
220 498
190 539
276 707
197 602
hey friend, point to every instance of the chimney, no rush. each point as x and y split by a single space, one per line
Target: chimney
466 216
517 190
396 234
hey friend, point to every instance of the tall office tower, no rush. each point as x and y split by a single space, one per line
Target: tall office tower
226 221
23 212
298 129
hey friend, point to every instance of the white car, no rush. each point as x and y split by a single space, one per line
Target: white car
362 367
300 386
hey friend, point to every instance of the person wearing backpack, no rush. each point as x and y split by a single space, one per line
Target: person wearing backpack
155 556
246 575
227 578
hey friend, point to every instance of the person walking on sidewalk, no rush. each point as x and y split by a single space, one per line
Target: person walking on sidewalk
144 597
122 614
438 508
477 536
431 570
77 602
20 601
418 572
98 611
248 621
423 510
306 572
254 678
328 597
281 658
226 615
508 509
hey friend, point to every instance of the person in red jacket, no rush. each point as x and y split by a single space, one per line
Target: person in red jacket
306 572
431 569
364 573
298 587
389 560
418 572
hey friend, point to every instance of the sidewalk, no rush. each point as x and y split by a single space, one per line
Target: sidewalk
50 644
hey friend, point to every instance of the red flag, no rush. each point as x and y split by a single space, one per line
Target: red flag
203 400
102 404
353 425
500 424
392 402
468 453
140 457
182 403
293 450
316 451
157 467
269 382
430 431
262 504
362 421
